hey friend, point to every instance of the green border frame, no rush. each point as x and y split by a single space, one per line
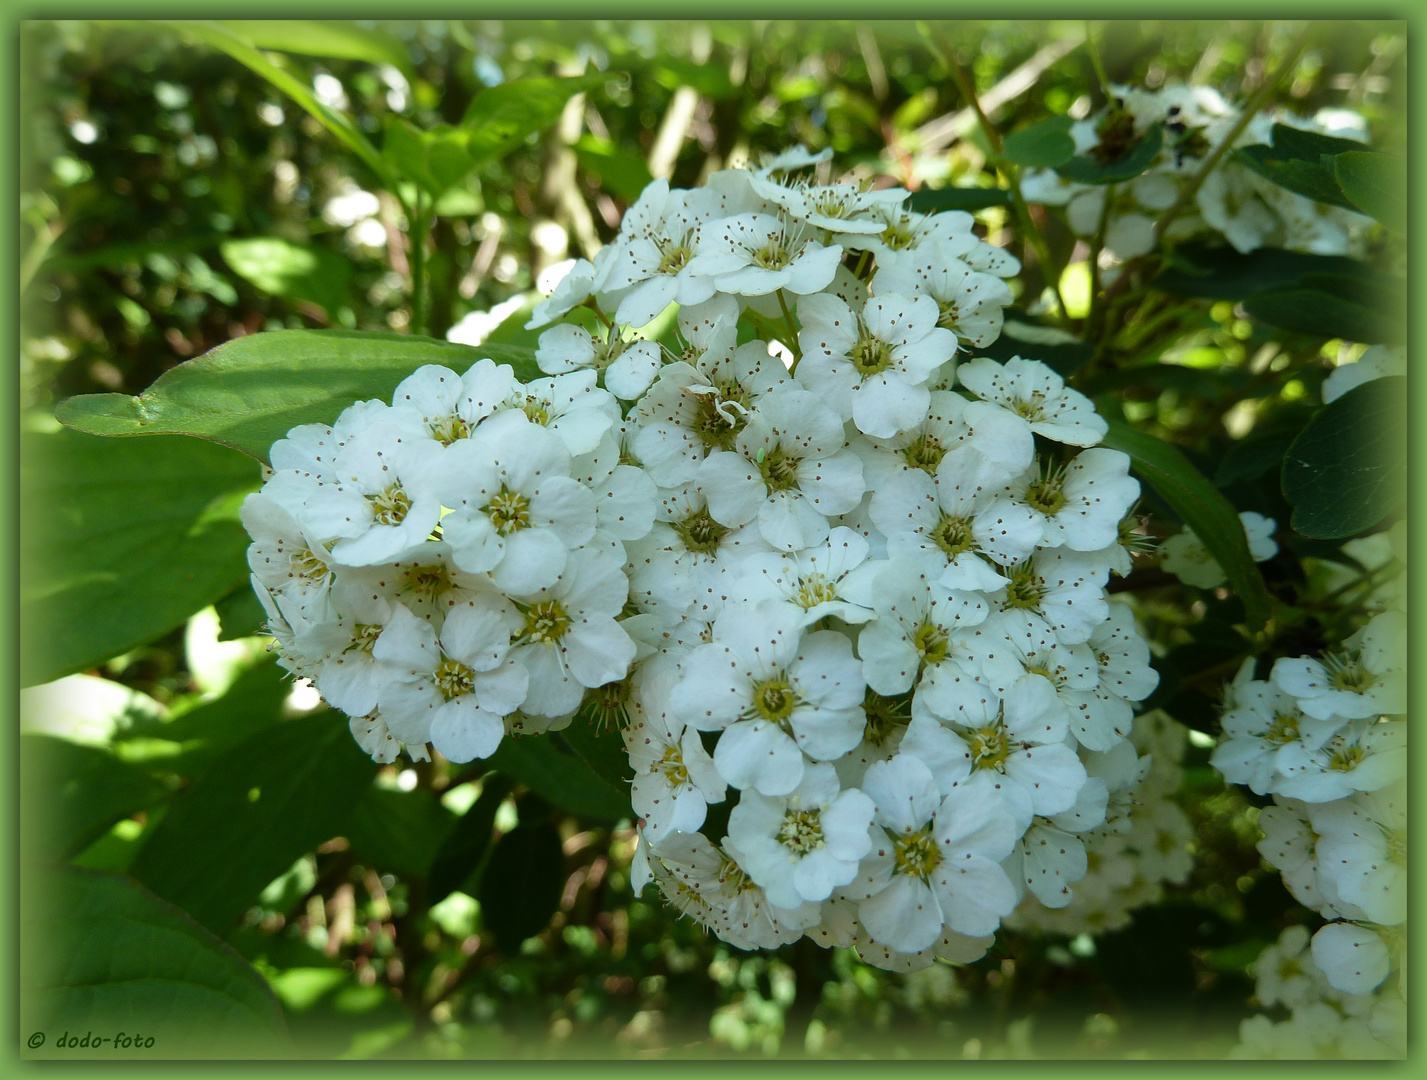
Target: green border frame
1317 10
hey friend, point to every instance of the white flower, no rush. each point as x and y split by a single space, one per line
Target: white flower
1038 395
571 406
969 304
436 402
954 521
453 692
1366 679
1263 722
1065 588
872 367
1049 861
1362 846
838 208
937 861
756 254
1101 717
1376 362
371 734
1362 756
1186 557
995 445
516 511
1354 958
802 845
569 639
1082 502
675 779
349 676
789 471
284 557
1285 972
583 279
809 581
775 693
659 235
628 366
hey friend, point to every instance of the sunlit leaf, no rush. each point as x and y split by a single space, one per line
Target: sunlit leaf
1376 184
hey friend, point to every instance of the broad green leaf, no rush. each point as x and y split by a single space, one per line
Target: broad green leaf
1221 273
1086 169
1302 162
1301 145
933 200
520 889
292 271
548 766
1260 451
602 750
70 795
103 956
1347 470
501 117
1376 184
1343 310
1043 145
398 832
1022 336
437 160
710 80
465 845
252 704
622 173
240 614
1203 508
340 40
221 38
252 391
257 808
121 542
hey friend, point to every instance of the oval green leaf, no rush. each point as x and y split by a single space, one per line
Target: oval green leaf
1376 184
251 391
104 957
1203 508
502 117
1347 470
520 889
1043 145
1087 169
120 543
292 271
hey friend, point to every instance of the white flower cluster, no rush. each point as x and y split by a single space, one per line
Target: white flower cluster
1326 737
1247 209
1185 556
1142 843
859 591
1324 1022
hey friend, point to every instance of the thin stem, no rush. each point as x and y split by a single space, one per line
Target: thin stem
1095 61
1007 169
862 263
792 341
1097 245
418 265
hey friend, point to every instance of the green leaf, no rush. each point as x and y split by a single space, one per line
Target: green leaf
1022 335
252 704
1376 184
240 614
502 117
520 889
120 543
252 391
398 832
292 271
72 795
1087 169
1302 162
1221 273
465 845
621 172
221 38
549 767
710 80
1043 145
104 956
1347 470
438 159
1341 311
1203 508
340 40
1258 452
933 200
257 808
602 750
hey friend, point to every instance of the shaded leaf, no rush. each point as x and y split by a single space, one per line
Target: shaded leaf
933 200
251 391
1302 162
240 614
437 160
552 769
257 808
502 117
1045 144
710 80
1221 273
1338 312
466 844
1260 451
520 889
342 40
252 704
1203 508
1087 169
292 271
1376 184
120 543
1347 470
104 955
71 795
1021 335
398 832
621 172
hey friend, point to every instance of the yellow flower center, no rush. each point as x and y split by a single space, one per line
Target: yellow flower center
916 854
454 679
391 506
508 511
801 831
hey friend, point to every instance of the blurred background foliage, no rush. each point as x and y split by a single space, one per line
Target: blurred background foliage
172 200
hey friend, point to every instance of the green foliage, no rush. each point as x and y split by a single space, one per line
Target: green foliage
258 807
520 888
296 271
549 767
106 956
502 117
1203 508
1345 471
1302 162
1045 144
1376 184
1088 169
1220 273
934 200
249 393
341 40
398 832
465 845
77 792
122 542
1330 307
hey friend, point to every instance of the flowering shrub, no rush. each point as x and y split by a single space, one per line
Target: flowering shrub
960 574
